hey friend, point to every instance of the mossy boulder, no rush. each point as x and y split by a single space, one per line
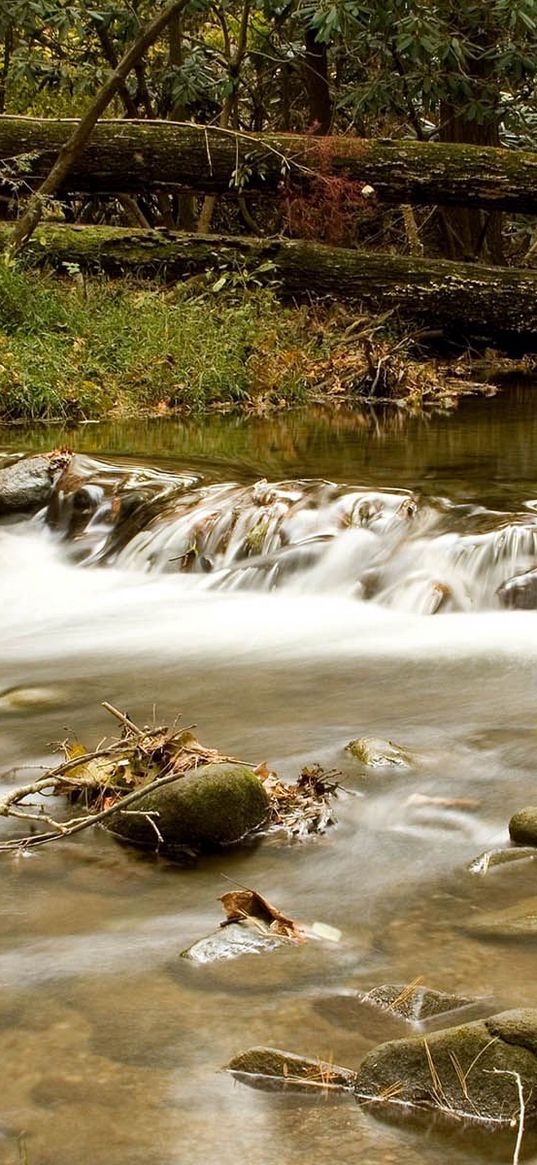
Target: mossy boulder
27 484
379 754
523 826
466 1071
215 806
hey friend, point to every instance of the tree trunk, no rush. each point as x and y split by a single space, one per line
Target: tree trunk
471 233
488 300
316 81
136 156
81 134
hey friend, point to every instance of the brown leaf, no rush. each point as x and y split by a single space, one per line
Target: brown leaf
242 904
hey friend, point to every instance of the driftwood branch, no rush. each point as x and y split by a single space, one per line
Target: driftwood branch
67 829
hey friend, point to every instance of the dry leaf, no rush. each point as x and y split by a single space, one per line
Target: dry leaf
239 905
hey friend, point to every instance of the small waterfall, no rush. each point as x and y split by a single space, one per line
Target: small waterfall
404 552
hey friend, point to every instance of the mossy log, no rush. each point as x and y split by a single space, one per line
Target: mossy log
137 156
464 296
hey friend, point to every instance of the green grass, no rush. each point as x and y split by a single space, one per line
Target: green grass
73 348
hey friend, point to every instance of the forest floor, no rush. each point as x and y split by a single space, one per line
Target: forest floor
76 348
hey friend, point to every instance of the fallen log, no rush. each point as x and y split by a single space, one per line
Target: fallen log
492 300
137 156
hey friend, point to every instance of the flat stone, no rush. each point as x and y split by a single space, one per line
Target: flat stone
416 1004
271 1070
518 921
230 942
492 858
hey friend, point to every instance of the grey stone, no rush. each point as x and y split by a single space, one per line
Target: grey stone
520 592
27 484
230 942
416 1004
493 858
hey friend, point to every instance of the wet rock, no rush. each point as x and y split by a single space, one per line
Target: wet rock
520 592
27 484
413 1003
215 806
465 1071
492 858
271 1069
29 699
518 921
233 941
379 754
523 826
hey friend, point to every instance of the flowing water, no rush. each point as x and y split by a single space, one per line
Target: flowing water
287 585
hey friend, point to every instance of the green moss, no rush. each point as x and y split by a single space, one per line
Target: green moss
215 806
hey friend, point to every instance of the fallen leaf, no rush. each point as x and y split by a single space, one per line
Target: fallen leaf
240 905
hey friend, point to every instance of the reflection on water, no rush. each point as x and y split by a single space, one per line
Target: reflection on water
111 1043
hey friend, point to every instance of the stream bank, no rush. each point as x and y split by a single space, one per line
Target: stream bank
76 348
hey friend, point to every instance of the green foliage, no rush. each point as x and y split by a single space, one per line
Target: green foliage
80 349
397 58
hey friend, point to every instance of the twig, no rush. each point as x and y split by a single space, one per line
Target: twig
127 723
52 777
149 818
522 1109
86 822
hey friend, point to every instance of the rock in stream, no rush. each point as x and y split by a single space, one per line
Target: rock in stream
28 484
470 1072
215 806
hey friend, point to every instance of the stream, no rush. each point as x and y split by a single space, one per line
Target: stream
353 594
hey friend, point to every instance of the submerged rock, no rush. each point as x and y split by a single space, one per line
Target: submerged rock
379 754
414 1003
520 592
215 806
518 921
523 826
465 1071
29 699
492 858
271 1069
27 484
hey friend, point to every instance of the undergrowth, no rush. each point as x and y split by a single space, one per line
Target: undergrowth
74 348
83 348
